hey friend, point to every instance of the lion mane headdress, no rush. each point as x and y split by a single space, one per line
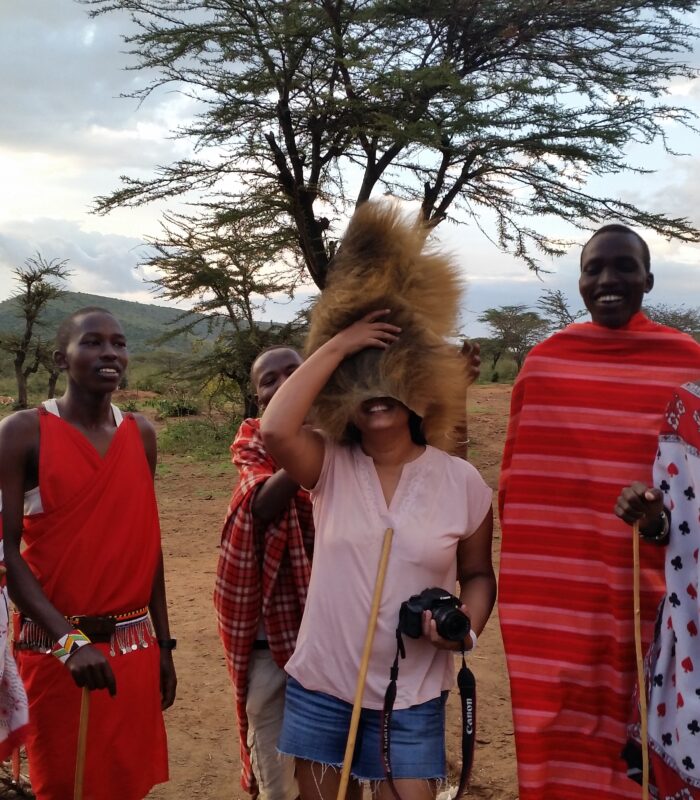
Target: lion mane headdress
384 262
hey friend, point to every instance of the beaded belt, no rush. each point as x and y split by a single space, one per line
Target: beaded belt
123 632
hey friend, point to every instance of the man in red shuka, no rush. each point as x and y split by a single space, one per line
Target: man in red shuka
585 413
77 488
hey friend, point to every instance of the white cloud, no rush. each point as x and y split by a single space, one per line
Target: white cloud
101 264
66 136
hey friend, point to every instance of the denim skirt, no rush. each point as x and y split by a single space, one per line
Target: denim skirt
316 728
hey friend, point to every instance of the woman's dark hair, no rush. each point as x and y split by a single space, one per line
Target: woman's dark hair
415 426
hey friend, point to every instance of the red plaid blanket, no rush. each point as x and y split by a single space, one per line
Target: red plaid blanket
261 571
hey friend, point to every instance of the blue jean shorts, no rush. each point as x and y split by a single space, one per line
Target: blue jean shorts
316 726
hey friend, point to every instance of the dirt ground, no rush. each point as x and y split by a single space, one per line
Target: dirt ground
202 734
203 741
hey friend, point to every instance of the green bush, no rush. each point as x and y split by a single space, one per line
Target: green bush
198 438
175 406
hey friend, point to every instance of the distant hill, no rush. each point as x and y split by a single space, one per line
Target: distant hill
143 323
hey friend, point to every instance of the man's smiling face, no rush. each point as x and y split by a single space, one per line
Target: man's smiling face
614 278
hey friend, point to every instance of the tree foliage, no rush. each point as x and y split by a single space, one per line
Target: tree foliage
554 307
225 272
309 107
39 281
681 317
515 330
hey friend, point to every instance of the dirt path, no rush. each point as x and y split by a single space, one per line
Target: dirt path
202 734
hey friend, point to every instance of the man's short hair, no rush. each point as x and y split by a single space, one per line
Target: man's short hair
268 350
65 329
616 227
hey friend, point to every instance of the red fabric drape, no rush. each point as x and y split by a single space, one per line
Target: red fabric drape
94 549
261 574
585 412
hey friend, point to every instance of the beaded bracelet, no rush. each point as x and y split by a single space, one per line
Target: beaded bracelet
69 644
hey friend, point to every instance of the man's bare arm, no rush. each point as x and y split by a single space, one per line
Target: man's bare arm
19 444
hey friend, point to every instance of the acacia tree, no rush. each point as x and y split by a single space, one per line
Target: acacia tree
309 107
515 330
45 357
491 349
680 317
554 307
226 272
39 281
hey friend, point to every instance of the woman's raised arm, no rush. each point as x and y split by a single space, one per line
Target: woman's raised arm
296 448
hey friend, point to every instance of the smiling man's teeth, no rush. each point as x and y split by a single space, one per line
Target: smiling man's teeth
378 407
108 371
610 298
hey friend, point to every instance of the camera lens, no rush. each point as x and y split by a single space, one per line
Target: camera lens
451 624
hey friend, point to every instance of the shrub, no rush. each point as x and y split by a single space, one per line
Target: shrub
198 438
175 405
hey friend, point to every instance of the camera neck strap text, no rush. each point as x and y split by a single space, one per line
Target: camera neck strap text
467 693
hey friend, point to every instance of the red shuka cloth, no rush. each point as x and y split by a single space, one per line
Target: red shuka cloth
95 550
585 413
262 573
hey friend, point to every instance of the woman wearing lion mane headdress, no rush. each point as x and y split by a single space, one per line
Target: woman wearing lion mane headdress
385 392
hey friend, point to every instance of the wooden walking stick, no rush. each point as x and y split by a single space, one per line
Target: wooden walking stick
364 664
640 665
82 744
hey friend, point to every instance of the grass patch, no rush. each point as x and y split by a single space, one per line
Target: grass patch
199 439
175 405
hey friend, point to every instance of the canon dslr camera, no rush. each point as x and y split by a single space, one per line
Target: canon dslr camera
451 623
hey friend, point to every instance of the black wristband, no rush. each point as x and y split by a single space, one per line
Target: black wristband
664 520
167 644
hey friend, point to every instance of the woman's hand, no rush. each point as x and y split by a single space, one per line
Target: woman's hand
369 331
639 503
89 667
430 632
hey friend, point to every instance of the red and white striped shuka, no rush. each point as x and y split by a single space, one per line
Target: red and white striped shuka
585 413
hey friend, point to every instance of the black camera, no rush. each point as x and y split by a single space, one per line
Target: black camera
451 623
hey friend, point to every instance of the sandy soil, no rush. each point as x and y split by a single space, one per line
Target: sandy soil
203 741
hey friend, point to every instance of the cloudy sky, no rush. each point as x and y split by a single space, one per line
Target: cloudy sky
66 136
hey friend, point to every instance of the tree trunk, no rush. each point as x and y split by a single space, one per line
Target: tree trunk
51 388
21 387
250 406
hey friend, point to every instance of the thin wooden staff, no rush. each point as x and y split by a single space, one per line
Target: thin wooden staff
364 664
640 664
82 744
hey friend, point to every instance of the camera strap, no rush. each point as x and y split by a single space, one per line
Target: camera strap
389 698
467 693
